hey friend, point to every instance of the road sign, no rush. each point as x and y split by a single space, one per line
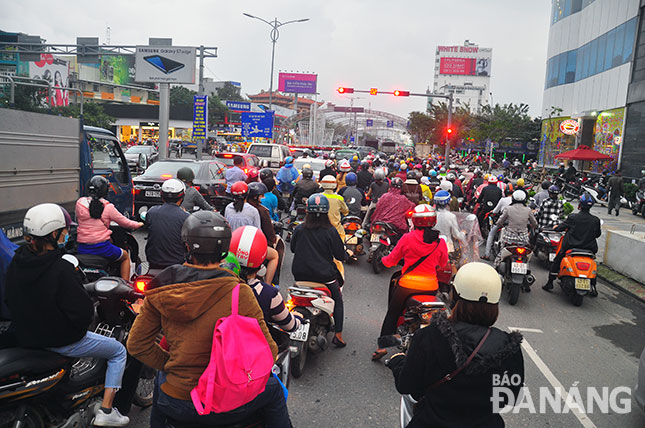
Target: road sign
349 109
257 125
200 116
165 64
369 122
238 105
351 139
390 124
373 91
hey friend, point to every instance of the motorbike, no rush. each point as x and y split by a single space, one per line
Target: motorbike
638 206
353 236
546 245
514 269
487 221
383 238
295 218
40 388
577 274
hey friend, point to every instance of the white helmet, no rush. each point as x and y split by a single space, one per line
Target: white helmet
344 166
43 219
173 189
519 196
328 182
478 282
329 163
446 185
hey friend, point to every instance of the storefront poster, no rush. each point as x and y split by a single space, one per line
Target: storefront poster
608 137
554 141
55 70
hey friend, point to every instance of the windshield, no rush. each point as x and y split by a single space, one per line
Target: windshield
316 166
159 169
228 160
138 149
261 151
345 154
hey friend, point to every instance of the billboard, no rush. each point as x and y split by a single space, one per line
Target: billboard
298 83
55 70
165 64
200 116
465 66
257 125
117 69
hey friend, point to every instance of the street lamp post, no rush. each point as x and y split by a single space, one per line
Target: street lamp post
275 24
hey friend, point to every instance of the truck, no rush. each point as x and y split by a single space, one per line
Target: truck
372 142
48 158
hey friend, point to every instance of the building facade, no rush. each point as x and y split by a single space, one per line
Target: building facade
465 71
590 70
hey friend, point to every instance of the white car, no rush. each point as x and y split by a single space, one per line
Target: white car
316 164
270 155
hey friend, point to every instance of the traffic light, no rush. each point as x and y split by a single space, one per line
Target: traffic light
342 90
398 93
449 131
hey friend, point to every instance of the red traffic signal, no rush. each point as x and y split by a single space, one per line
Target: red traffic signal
449 131
398 93
342 90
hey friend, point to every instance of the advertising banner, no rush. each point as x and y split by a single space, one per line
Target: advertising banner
298 83
257 125
238 105
465 66
165 64
117 69
55 70
200 116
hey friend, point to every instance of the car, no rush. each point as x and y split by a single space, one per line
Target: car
316 164
249 162
140 157
270 155
639 391
346 154
210 180
363 151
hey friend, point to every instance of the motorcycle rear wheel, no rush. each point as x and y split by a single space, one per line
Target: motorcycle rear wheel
145 390
32 419
513 294
377 266
298 363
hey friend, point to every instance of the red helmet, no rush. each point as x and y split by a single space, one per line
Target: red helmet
239 188
424 216
249 245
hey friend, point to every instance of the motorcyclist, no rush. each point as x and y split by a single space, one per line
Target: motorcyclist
235 174
570 174
51 309
438 350
287 176
411 188
164 246
447 225
550 207
270 200
316 245
518 218
328 170
476 181
337 207
542 195
377 189
519 185
192 197
393 206
489 197
425 189
457 192
305 187
94 214
454 203
422 252
582 230
365 177
239 212
433 180
266 175
492 235
352 195
345 168
403 171
194 297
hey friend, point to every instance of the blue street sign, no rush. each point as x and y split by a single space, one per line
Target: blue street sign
238 105
370 122
257 125
200 116
390 124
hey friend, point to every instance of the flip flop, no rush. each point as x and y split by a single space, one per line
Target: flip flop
377 355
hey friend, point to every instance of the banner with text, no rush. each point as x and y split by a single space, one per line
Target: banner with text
257 125
297 83
200 116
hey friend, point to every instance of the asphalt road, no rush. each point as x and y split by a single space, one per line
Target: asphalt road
595 345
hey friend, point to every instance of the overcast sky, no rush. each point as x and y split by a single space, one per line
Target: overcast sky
356 43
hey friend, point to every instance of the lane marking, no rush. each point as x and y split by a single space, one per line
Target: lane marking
531 330
555 383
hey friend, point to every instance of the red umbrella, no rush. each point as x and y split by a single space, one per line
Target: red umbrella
583 153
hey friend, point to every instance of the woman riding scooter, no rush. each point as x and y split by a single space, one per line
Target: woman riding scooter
422 251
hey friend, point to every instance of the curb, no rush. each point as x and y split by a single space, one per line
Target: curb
603 270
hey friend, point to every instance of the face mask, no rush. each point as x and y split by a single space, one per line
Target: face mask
65 241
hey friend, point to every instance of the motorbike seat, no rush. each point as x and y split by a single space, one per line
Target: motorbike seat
25 360
315 285
93 261
351 218
421 299
580 252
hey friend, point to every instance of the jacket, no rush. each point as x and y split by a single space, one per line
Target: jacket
314 253
353 198
392 208
95 230
490 193
582 230
187 312
304 188
337 209
464 401
286 175
165 246
616 186
518 217
49 306
448 226
193 198
265 221
364 179
411 248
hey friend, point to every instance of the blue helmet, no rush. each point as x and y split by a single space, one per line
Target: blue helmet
586 201
318 204
351 179
442 197
288 160
433 173
500 177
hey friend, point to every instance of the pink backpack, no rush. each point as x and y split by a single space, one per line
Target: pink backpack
240 364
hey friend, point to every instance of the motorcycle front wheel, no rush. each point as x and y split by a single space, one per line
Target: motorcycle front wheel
298 363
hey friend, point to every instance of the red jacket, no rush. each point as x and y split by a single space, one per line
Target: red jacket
411 248
392 208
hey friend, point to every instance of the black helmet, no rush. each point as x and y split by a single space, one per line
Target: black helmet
318 204
97 187
396 183
206 232
307 173
185 174
546 184
412 175
256 189
265 173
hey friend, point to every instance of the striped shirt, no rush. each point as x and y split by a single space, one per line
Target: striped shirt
272 305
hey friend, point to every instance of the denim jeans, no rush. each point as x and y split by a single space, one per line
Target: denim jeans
491 238
270 403
95 345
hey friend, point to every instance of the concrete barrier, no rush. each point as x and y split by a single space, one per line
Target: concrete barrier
625 253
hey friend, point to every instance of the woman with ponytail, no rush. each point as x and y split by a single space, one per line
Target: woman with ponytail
94 214
239 212
422 252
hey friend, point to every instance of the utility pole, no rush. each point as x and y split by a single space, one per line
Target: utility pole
200 142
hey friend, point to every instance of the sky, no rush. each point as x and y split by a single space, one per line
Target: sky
355 43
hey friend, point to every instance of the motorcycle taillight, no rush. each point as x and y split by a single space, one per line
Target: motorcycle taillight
351 226
583 265
377 228
520 251
300 301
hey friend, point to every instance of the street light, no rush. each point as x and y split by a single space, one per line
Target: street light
275 24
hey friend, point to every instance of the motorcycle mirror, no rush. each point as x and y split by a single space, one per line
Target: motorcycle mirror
554 217
143 211
70 258
471 217
142 269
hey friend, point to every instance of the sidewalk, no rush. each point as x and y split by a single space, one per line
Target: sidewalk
625 221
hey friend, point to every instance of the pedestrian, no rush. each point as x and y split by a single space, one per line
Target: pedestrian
616 192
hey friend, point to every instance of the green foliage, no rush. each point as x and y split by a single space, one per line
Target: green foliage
229 92
27 98
93 114
630 191
567 208
531 193
182 96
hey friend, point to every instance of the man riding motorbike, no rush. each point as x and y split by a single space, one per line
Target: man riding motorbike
192 196
550 207
492 235
352 195
328 170
542 195
488 199
337 207
582 230
393 206
377 189
287 176
364 177
412 189
305 187
518 218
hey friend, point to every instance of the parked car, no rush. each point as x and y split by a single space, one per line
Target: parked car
249 162
210 180
141 157
270 155
316 164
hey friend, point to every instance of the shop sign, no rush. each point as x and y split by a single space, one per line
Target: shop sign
569 127
200 116
238 105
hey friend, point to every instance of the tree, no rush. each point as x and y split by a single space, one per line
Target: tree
181 95
93 114
229 92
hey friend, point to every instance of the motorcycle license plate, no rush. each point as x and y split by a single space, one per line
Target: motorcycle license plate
520 268
551 257
301 334
153 193
583 284
375 237
352 240
294 213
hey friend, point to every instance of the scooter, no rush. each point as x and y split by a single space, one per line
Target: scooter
577 274
587 188
353 236
295 218
546 245
39 388
515 272
383 238
638 206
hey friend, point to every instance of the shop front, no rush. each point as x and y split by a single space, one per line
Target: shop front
136 132
558 136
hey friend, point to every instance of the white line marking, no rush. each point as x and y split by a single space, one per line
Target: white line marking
530 330
555 383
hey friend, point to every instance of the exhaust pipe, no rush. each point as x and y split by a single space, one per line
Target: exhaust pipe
530 279
317 344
